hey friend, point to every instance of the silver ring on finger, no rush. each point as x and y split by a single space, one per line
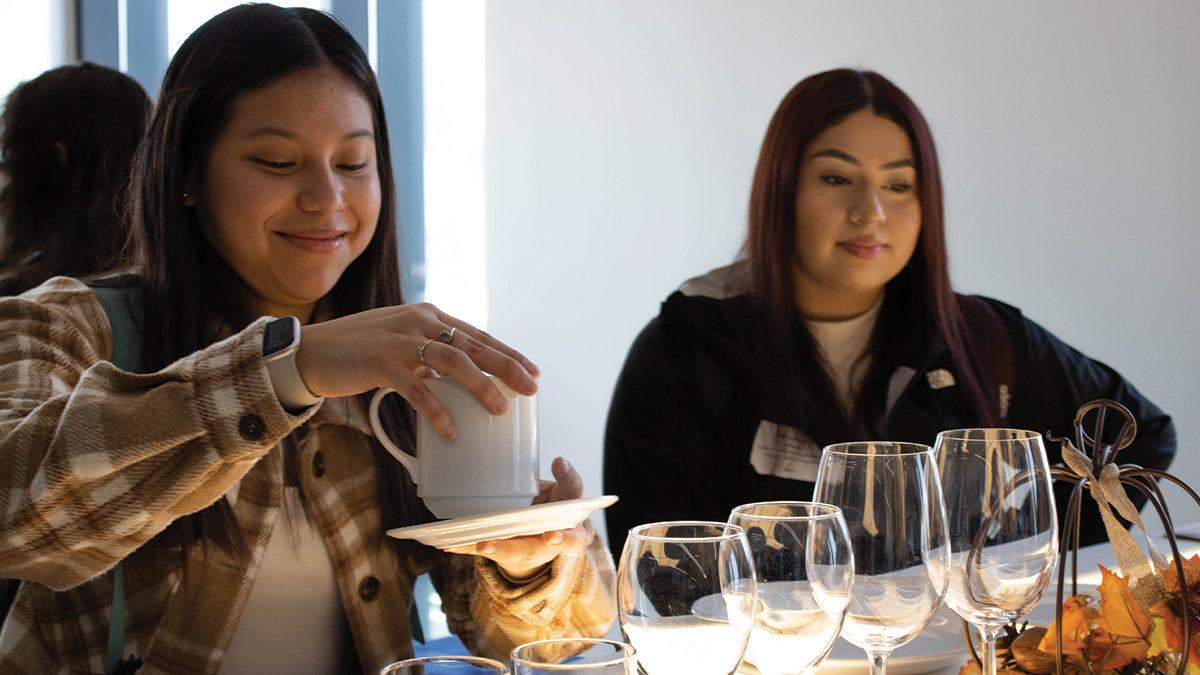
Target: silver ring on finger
421 350
447 336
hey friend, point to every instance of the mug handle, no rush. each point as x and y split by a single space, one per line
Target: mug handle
409 462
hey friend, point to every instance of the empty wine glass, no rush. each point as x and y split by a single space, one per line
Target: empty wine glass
1003 526
594 657
805 572
891 498
446 665
686 596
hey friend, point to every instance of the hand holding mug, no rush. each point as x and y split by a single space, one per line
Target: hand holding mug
392 346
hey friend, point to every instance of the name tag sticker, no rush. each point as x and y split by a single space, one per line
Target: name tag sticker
784 452
940 378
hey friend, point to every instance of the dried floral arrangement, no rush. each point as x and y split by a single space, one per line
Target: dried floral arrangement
1143 622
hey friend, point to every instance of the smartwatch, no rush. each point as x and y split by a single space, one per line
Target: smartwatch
281 339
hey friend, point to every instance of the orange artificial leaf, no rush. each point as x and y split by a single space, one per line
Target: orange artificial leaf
1120 614
1078 615
1114 652
971 668
1191 574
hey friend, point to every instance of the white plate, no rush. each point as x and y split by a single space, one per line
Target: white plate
504 524
941 645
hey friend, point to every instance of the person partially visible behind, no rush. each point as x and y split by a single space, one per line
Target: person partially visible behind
67 139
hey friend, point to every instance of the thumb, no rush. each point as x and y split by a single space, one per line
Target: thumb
570 484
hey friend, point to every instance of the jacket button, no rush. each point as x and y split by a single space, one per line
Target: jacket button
252 427
318 464
368 589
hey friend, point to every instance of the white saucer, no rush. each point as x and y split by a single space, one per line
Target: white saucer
504 524
940 646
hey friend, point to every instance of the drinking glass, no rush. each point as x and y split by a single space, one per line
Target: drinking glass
595 657
891 498
686 596
446 665
1003 526
805 571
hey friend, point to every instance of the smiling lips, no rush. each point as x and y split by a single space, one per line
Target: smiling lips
864 247
315 241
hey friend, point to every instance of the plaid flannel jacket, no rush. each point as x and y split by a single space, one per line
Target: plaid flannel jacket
97 461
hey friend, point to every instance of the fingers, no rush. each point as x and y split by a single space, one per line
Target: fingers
570 483
455 362
521 554
406 345
426 404
545 491
493 361
490 342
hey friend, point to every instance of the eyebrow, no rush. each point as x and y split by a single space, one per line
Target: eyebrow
847 157
283 133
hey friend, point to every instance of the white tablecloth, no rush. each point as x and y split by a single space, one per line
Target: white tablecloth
1090 558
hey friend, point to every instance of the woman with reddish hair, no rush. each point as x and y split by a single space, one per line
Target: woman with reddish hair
838 323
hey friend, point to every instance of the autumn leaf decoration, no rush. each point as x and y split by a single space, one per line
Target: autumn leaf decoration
1105 638
1112 635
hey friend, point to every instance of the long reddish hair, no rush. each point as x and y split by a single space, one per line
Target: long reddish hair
919 297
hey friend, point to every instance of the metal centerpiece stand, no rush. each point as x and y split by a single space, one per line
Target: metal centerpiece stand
1091 464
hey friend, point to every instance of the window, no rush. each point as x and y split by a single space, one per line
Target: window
185 16
33 39
455 252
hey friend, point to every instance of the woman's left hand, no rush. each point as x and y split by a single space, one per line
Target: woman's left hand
524 557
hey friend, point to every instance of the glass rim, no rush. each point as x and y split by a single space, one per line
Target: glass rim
470 660
627 652
906 449
960 434
635 532
830 510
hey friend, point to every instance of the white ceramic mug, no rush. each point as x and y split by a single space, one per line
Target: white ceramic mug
492 466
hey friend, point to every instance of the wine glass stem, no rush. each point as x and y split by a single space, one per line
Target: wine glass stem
879 662
989 650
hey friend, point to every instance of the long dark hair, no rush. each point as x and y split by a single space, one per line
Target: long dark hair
66 141
920 296
246 48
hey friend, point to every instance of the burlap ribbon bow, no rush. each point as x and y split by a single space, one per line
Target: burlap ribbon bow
1144 582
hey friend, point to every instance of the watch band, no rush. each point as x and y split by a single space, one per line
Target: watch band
281 340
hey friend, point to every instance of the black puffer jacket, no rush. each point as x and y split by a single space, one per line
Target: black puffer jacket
686 418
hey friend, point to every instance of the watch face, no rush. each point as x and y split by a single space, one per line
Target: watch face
278 335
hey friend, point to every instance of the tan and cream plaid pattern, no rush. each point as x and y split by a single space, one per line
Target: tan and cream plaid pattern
96 462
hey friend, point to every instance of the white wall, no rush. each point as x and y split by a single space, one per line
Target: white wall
621 137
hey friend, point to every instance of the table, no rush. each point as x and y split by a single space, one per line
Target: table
1090 558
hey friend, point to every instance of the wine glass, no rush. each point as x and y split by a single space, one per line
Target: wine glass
446 665
891 499
686 596
1003 526
595 657
805 572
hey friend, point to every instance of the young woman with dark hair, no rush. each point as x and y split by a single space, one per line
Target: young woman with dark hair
228 521
838 324
66 141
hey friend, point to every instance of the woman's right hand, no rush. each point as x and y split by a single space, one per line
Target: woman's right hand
378 348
